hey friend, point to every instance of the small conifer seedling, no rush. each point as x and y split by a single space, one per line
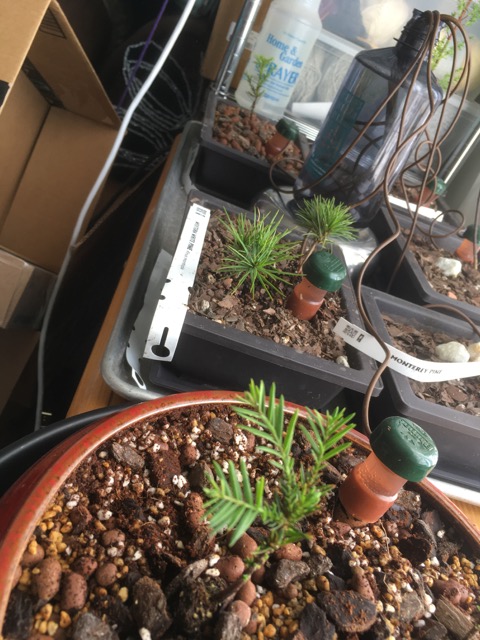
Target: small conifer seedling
233 504
264 68
256 252
325 222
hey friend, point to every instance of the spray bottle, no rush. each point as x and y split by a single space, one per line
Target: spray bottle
288 35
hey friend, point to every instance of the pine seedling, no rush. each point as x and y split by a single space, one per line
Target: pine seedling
233 505
256 82
467 13
326 222
255 252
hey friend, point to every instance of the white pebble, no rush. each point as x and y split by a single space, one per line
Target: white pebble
419 624
452 352
449 266
343 360
104 514
180 481
474 351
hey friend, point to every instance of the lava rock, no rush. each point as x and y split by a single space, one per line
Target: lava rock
220 430
314 624
228 627
197 600
149 607
198 475
319 565
411 608
91 627
417 549
350 612
284 572
19 616
128 456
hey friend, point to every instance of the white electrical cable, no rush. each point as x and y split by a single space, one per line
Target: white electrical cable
91 197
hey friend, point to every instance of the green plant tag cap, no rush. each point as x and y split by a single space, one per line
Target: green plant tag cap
287 129
438 186
404 447
470 233
325 271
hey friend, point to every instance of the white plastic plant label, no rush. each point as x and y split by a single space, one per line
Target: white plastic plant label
172 305
409 366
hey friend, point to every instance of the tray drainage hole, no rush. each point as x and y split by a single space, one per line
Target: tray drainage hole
161 350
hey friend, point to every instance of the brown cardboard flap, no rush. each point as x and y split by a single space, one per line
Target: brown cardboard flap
38 32
43 213
20 124
70 77
19 22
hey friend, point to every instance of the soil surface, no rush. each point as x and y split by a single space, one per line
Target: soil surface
461 395
123 552
213 296
465 287
237 128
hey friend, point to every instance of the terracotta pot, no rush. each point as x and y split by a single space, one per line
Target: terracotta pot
24 504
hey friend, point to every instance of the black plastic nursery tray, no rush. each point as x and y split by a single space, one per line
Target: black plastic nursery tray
410 282
456 433
216 355
229 174
220 357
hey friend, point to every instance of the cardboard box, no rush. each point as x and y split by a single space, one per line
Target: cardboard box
24 292
16 348
227 15
57 127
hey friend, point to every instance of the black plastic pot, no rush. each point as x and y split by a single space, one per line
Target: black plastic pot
212 355
19 456
410 282
227 173
456 434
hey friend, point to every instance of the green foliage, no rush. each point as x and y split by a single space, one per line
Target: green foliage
256 250
325 221
467 13
264 69
233 504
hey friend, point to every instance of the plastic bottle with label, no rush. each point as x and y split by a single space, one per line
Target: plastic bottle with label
288 34
363 130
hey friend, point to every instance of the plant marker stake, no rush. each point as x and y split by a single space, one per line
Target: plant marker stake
172 305
322 272
286 131
401 451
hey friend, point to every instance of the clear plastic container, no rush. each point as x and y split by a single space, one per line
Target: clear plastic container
371 78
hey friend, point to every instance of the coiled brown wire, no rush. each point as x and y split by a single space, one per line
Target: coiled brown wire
424 160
